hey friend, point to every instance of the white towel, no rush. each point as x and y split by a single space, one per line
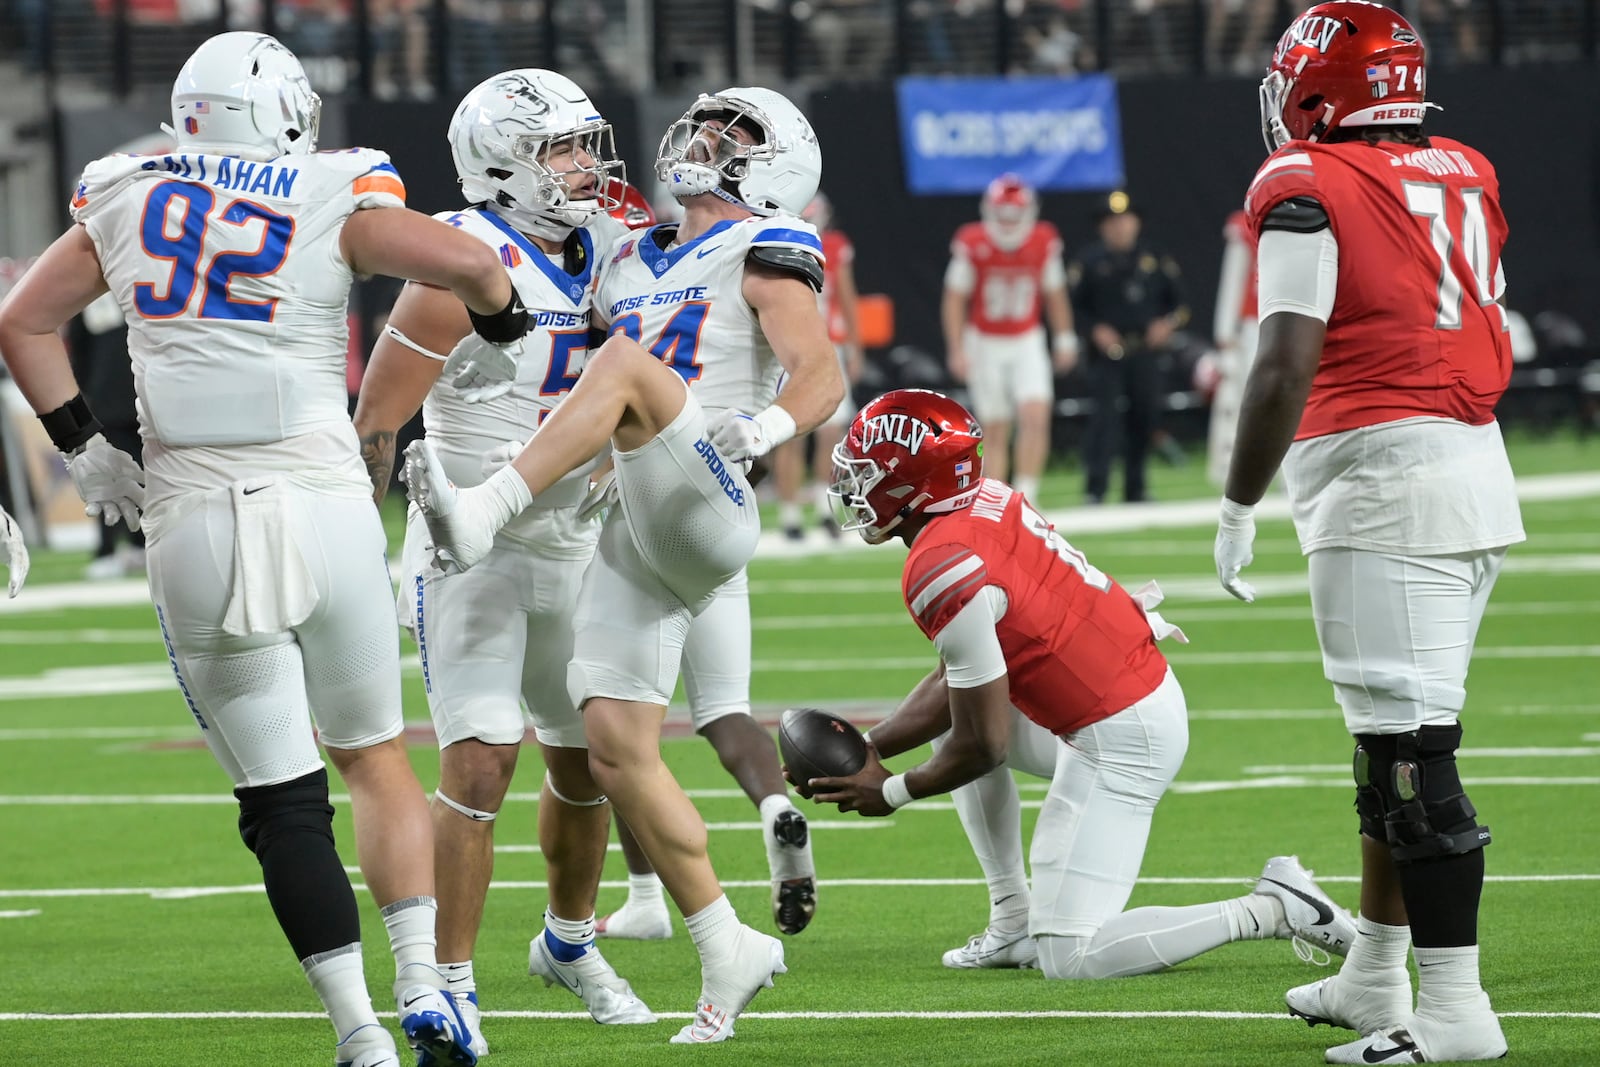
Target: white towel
1149 596
273 589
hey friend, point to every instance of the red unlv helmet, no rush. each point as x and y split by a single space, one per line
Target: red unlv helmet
1345 63
909 452
1009 209
632 209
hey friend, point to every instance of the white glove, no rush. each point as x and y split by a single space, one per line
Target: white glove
16 552
500 455
480 370
462 523
602 495
740 437
1236 533
109 480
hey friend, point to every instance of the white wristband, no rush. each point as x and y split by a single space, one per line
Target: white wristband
895 793
1236 517
1066 342
777 425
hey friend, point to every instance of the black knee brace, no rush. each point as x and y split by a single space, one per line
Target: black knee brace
289 827
1373 756
1426 811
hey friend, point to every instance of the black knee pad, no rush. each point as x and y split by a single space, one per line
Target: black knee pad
1428 815
270 811
1373 756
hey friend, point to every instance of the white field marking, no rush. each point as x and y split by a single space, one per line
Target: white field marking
1179 657
27 914
1248 714
151 677
1226 1016
97 733
79 637
1465 753
1288 546
856 824
48 800
205 891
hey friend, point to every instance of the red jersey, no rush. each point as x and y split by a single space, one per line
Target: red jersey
1238 228
1007 283
1415 330
837 251
1078 648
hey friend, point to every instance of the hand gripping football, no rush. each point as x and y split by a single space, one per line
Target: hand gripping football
815 744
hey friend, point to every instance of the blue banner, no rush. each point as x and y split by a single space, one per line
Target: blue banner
1056 133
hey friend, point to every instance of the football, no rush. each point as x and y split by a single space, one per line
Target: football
815 744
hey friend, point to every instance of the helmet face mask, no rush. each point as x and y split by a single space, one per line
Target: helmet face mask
909 453
775 165
524 141
244 94
1343 64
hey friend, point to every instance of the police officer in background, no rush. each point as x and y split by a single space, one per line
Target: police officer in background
1127 301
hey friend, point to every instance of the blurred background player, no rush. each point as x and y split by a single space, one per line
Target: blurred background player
1384 350
537 165
233 265
1031 634
1128 301
838 301
1234 330
1003 270
16 553
633 208
726 300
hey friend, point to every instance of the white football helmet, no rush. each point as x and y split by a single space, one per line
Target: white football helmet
244 94
501 134
781 173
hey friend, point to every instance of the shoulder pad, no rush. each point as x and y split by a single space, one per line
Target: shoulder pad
1298 214
803 265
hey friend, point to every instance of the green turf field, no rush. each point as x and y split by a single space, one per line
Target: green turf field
135 932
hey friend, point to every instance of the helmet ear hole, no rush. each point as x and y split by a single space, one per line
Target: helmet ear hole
1311 103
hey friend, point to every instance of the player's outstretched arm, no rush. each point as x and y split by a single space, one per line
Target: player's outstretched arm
793 326
424 325
402 243
922 716
61 283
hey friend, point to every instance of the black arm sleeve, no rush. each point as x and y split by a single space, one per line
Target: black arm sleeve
1298 214
802 265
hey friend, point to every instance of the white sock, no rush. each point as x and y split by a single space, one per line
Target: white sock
509 492
991 813
1028 487
412 939
458 978
1447 981
822 500
644 890
788 514
713 929
340 983
1379 951
1256 917
572 931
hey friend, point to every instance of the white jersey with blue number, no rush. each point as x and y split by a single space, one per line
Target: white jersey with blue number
554 351
685 303
229 273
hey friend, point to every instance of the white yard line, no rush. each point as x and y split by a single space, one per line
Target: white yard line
1228 1016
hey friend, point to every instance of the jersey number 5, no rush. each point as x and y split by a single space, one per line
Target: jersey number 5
187 207
1431 201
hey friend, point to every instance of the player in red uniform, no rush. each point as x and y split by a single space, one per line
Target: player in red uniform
1383 351
838 303
1234 329
1002 271
1024 623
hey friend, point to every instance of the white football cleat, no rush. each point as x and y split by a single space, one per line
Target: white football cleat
757 961
1423 1039
1364 1007
366 1046
991 950
636 922
467 1005
794 875
1311 914
604 992
461 526
434 1028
